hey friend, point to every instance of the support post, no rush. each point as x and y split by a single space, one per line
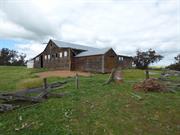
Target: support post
103 71
45 83
77 81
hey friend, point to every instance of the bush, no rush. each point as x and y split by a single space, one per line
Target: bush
175 66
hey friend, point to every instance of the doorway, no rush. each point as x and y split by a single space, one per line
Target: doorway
41 60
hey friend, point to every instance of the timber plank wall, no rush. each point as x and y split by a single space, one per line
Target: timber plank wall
55 61
89 63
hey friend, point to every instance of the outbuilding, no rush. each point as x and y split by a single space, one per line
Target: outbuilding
68 56
30 64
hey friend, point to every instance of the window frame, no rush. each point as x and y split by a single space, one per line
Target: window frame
45 57
121 58
60 54
49 56
65 53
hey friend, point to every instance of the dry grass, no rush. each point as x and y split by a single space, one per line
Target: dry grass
30 83
61 73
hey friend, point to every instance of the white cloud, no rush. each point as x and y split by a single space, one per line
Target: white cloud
30 49
123 25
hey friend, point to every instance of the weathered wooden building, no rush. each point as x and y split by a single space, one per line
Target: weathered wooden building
69 56
125 61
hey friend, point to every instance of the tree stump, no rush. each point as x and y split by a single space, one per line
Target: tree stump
116 76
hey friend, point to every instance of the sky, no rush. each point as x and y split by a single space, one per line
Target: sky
124 25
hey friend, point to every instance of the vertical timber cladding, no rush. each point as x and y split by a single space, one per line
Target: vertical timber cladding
110 60
128 62
73 53
37 63
89 63
52 59
125 62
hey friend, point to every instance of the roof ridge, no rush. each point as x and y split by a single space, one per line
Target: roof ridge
63 43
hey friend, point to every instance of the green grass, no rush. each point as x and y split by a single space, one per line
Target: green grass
30 83
93 109
11 76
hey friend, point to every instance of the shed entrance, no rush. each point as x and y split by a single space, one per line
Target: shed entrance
41 60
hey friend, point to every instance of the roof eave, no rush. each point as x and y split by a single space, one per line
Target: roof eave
89 55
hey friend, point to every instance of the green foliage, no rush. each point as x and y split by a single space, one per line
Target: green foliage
144 59
93 108
11 57
177 58
176 65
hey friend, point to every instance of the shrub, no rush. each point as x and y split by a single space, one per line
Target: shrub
175 66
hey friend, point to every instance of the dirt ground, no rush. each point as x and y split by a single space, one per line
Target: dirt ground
62 73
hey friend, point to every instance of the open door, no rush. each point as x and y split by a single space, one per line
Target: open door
41 60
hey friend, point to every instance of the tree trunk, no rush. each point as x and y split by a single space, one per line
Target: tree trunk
147 73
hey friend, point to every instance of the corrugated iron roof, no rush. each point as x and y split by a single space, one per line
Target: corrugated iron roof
63 44
88 51
125 56
93 52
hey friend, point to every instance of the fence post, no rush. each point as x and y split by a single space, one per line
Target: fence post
77 81
147 74
45 83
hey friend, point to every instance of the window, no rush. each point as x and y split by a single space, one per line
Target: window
45 57
60 54
53 56
120 58
56 55
49 56
65 53
133 64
